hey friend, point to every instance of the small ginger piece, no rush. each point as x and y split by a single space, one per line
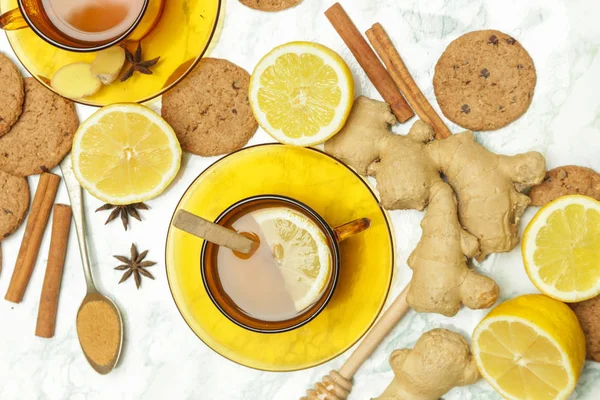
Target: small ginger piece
75 81
366 143
108 64
566 180
351 145
439 361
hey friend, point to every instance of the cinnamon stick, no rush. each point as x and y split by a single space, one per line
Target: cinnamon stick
61 225
368 60
34 231
384 47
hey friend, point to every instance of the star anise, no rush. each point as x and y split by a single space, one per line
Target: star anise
135 265
130 210
136 62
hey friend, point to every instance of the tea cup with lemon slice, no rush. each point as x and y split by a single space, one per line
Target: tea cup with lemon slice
289 278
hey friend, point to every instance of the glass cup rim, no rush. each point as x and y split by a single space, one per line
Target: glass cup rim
335 264
62 46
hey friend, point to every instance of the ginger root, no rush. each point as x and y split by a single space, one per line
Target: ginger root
439 361
409 170
108 64
366 144
486 187
75 81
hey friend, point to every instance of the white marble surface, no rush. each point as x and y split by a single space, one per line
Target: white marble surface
162 356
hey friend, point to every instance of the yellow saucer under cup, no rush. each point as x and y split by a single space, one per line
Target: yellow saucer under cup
334 191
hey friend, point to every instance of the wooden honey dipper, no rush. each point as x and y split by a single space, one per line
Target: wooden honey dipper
338 384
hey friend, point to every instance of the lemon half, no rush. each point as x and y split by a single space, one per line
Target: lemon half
301 93
561 249
301 250
125 153
530 348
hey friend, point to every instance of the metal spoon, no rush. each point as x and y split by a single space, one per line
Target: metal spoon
76 195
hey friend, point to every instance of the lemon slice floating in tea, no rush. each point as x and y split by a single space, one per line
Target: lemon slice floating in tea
301 251
561 249
530 348
301 93
125 153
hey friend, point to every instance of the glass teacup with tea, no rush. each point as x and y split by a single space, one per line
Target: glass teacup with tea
84 25
290 275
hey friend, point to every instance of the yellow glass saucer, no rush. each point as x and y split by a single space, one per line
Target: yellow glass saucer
180 38
336 193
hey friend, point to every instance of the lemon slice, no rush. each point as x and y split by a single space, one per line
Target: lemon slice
301 251
301 93
530 348
125 153
561 249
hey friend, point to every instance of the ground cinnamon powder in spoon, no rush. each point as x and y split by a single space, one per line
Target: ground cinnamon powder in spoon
99 331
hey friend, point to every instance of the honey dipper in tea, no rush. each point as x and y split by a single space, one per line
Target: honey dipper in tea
289 271
285 267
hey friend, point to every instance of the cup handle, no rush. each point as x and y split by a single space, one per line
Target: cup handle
351 228
12 20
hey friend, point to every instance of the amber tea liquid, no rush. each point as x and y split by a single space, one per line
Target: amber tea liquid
93 20
258 286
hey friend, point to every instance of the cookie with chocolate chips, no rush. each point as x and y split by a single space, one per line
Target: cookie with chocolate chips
566 180
11 94
209 110
42 136
484 80
14 202
270 5
588 313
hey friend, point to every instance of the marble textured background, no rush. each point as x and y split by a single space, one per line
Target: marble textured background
162 358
